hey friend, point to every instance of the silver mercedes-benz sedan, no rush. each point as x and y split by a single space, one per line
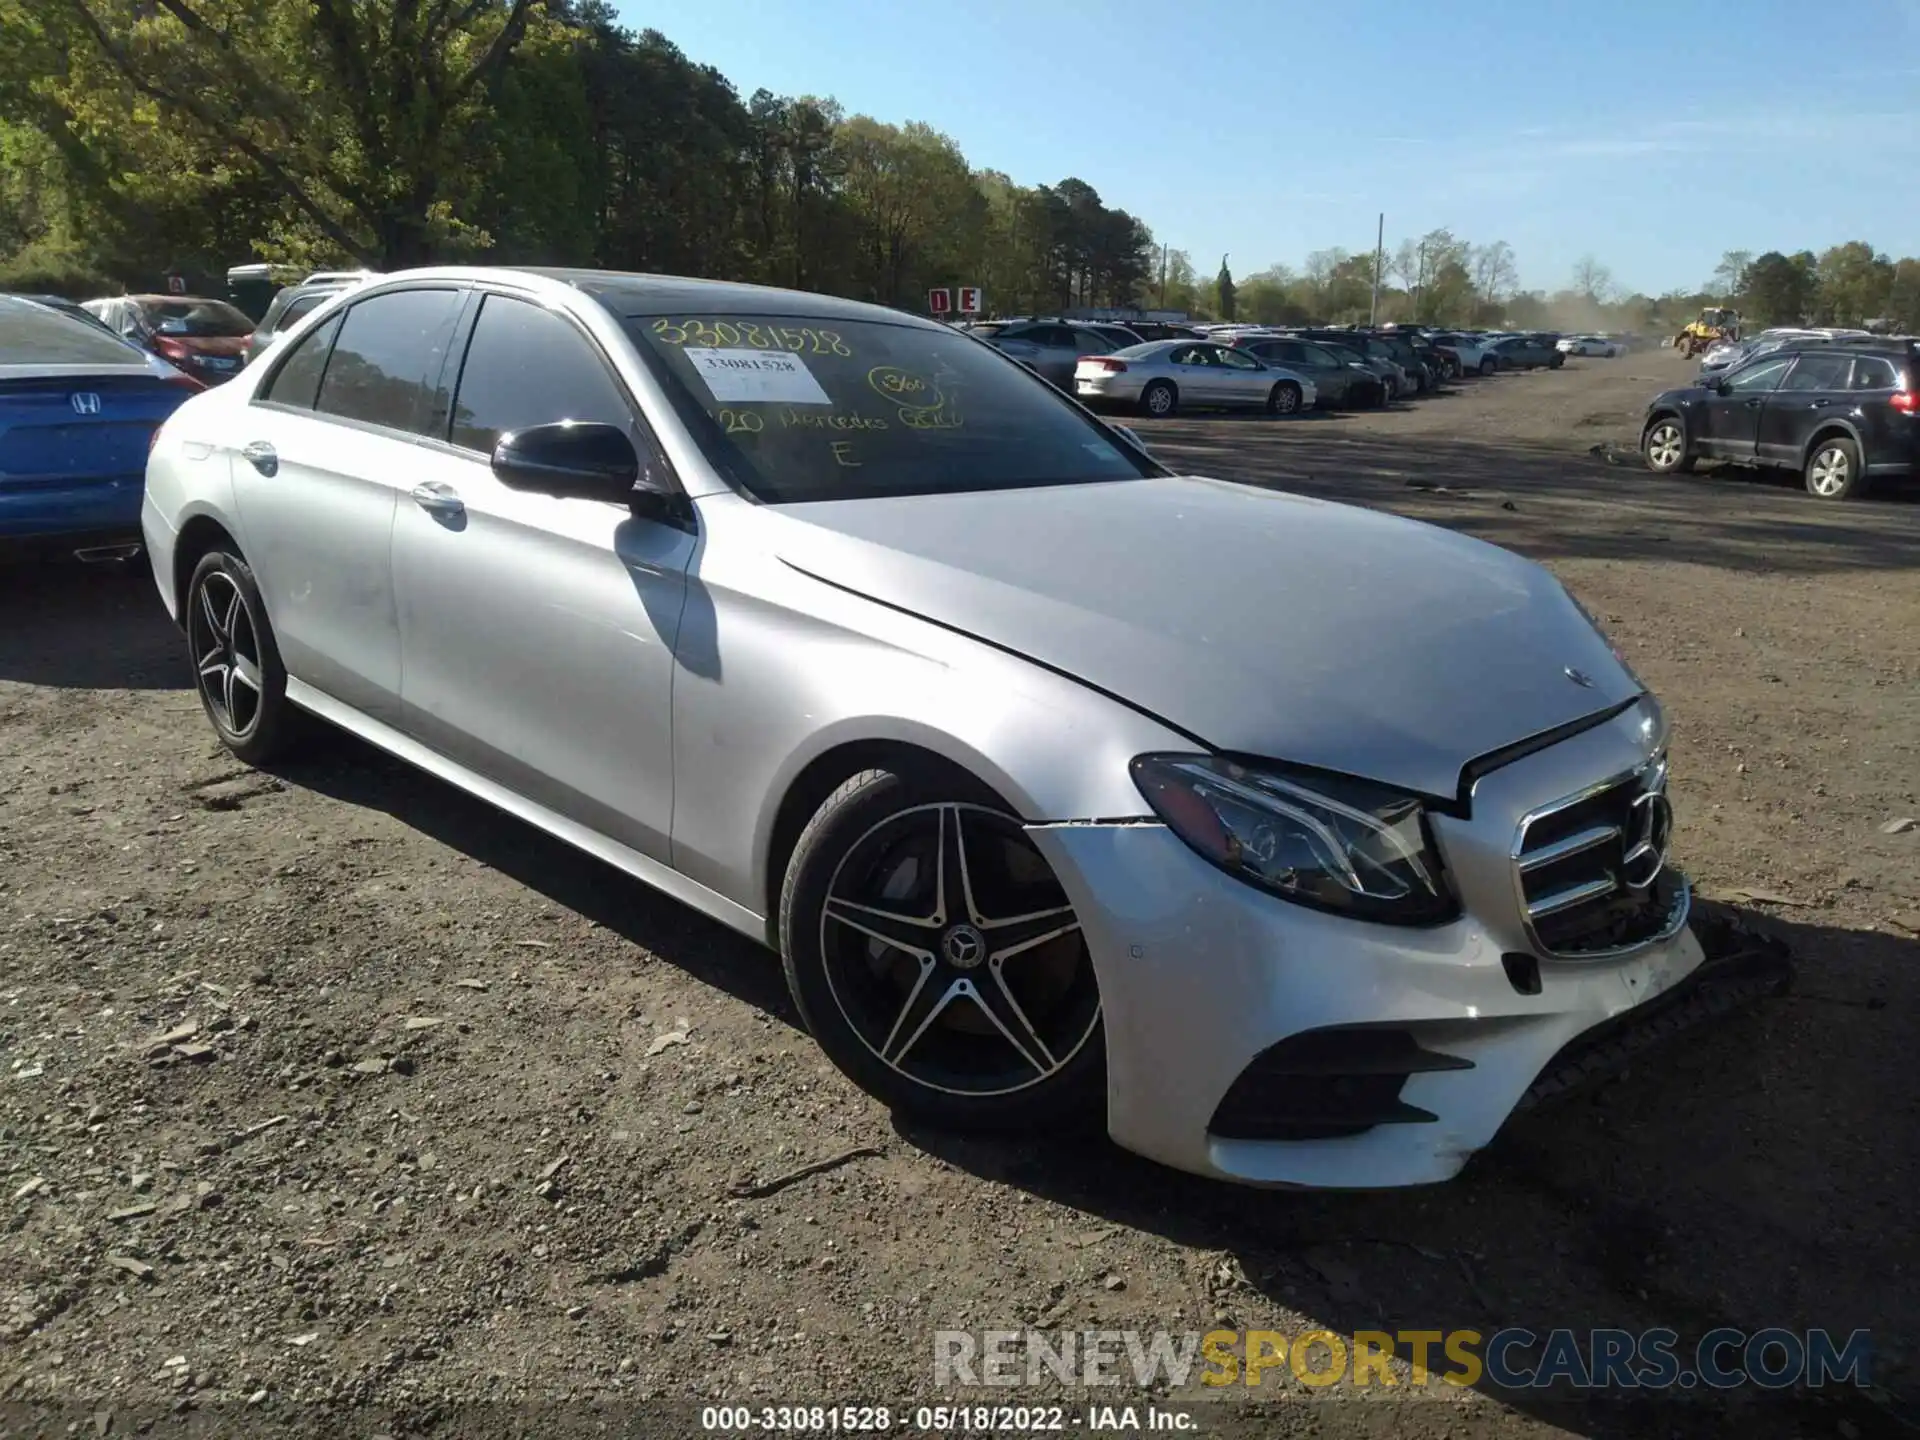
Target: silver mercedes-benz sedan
1162 375
1297 839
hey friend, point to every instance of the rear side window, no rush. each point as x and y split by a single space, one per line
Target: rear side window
1818 372
1872 373
305 305
527 366
386 361
297 381
1093 342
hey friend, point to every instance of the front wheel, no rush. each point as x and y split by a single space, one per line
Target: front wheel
937 960
1488 365
1665 447
1833 469
1284 398
1160 399
237 669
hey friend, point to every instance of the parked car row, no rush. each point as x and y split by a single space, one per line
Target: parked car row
1842 411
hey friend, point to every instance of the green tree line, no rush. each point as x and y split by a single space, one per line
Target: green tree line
1850 284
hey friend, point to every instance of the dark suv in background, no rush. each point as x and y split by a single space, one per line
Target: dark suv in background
1841 415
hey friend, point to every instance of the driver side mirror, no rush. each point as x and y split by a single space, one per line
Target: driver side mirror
575 460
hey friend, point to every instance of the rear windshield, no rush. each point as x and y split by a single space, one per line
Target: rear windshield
33 334
794 409
194 318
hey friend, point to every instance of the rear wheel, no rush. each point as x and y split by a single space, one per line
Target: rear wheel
1284 398
1160 398
1488 365
1833 469
1665 447
936 958
237 670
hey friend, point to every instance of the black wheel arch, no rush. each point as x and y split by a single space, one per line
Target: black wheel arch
1832 429
827 772
200 536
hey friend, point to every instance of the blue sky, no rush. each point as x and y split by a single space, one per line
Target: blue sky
1652 135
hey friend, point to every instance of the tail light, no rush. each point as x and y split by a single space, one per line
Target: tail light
1104 362
1905 401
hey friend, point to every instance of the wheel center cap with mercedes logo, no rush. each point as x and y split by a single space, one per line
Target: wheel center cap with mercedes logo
963 946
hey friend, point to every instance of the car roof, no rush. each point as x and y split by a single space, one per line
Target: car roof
628 293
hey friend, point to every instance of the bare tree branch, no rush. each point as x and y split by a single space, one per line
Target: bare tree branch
496 55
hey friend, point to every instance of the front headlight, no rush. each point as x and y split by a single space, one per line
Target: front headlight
1329 842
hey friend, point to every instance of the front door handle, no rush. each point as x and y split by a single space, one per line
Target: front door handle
439 498
1753 404
1818 404
262 456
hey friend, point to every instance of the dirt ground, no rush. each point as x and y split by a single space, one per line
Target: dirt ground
459 1132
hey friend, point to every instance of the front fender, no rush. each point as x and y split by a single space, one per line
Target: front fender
795 669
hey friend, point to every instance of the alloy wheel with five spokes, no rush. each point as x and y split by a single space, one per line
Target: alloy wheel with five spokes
937 959
226 651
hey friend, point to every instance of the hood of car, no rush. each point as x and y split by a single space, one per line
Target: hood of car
1259 622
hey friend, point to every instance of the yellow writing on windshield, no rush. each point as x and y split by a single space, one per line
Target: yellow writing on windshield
800 420
717 334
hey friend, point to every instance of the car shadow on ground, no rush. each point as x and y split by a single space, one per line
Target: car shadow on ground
88 627
1549 502
1751 1175
350 770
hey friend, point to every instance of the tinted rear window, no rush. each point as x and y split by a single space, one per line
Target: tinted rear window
200 318
33 334
297 381
796 409
387 361
1872 373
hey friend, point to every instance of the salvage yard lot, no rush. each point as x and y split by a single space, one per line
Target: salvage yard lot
534 1113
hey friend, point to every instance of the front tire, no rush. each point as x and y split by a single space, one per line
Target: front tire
1160 399
1833 469
1664 447
937 960
1284 399
238 673
1488 365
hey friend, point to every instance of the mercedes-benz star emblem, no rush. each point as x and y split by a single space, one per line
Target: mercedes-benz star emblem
84 402
964 947
1652 831
1579 677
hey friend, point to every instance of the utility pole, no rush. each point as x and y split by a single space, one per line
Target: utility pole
1379 242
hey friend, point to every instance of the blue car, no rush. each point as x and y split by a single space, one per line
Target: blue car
78 408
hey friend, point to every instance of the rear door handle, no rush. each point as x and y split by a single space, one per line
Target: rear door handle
262 456
439 498
1818 404
1753 404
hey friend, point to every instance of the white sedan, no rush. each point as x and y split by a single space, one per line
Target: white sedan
1163 375
1590 345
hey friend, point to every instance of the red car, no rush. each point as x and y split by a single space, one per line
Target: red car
205 338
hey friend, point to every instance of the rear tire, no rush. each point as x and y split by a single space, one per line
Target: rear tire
1488 365
1284 399
1833 470
927 1022
1160 399
238 673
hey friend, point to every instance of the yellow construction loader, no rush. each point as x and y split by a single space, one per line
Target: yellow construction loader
1713 326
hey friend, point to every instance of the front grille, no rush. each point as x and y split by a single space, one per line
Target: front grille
1590 868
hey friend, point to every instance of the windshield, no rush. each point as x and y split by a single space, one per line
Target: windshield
199 318
791 409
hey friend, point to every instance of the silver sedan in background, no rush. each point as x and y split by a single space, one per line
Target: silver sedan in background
1162 375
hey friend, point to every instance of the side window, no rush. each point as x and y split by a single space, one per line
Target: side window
1818 372
527 366
297 381
386 363
300 308
1185 355
1871 373
1091 342
1057 337
1234 360
1758 377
